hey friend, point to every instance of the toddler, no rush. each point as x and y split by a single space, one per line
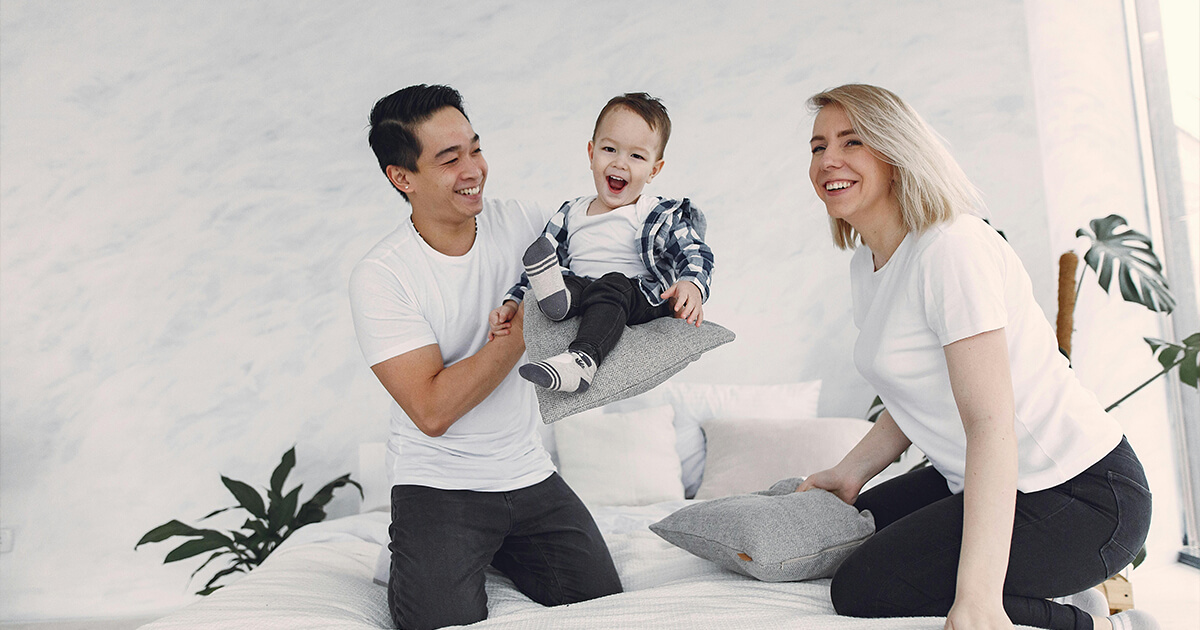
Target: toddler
615 258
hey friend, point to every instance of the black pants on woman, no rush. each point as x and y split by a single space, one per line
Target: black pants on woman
1065 539
605 306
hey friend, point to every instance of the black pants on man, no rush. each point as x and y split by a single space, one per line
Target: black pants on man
541 537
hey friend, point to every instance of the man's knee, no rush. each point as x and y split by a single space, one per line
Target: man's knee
414 613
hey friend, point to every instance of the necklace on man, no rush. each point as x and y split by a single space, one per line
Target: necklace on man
414 224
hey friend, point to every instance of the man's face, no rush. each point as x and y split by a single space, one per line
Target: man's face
451 171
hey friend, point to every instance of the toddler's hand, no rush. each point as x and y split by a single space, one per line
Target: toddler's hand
685 301
500 320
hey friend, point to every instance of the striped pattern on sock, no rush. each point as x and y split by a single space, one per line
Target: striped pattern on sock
545 279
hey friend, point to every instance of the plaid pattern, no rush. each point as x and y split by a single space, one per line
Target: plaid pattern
671 246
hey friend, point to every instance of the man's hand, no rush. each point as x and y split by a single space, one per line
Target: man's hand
500 320
685 301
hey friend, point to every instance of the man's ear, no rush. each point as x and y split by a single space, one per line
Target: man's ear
399 178
654 170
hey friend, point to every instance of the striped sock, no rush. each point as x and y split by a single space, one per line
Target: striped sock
545 279
1090 601
570 371
1134 620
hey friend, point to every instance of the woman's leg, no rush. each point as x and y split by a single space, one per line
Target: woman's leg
1065 539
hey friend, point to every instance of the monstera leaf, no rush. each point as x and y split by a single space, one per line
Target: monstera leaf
1187 357
1169 355
1121 250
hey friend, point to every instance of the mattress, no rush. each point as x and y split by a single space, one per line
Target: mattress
322 577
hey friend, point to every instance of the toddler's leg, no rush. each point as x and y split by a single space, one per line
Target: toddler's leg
546 279
571 371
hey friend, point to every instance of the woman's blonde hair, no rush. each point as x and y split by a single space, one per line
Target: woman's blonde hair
930 185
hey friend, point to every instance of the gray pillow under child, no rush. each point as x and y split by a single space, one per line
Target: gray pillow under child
646 355
777 535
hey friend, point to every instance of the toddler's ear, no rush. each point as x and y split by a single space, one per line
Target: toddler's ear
654 170
590 147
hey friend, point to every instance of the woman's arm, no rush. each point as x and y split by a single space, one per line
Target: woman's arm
981 380
878 448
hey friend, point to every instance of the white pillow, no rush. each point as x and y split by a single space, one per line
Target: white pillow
745 455
696 403
620 458
373 475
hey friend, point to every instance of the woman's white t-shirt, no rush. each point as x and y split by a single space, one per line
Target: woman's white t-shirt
953 281
406 295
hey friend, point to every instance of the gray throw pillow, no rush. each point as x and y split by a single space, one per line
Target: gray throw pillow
646 355
777 535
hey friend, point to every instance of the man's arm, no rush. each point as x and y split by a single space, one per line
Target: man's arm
434 395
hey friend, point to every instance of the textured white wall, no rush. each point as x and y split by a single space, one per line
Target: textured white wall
187 185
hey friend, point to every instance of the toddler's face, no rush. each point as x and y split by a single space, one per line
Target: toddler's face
624 157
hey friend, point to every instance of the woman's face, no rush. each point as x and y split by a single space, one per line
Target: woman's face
850 178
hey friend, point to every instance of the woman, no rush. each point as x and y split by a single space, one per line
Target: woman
1033 492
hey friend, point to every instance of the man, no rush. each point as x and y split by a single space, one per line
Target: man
472 484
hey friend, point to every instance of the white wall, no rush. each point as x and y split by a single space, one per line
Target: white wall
185 187
1088 133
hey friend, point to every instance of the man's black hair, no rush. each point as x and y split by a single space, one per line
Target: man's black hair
394 121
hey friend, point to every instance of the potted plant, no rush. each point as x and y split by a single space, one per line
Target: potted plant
269 523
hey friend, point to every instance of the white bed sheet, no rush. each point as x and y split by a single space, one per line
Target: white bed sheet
322 578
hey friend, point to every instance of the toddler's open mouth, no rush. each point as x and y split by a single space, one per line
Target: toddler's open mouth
616 184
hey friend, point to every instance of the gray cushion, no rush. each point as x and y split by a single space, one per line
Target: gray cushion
777 535
646 355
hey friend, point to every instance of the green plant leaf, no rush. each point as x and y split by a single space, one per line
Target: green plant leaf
876 408
246 496
215 512
1117 248
209 591
313 510
282 512
1186 356
282 471
208 588
167 530
210 559
211 540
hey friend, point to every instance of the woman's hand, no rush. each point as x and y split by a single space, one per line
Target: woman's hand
835 480
967 615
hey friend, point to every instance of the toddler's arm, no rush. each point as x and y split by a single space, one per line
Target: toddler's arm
500 319
685 300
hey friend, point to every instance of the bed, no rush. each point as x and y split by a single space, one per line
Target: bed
633 463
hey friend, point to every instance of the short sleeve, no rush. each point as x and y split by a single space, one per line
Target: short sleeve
963 280
387 319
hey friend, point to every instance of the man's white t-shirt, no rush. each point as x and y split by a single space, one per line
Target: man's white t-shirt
953 281
406 295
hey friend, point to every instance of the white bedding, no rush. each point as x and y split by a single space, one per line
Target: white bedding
322 578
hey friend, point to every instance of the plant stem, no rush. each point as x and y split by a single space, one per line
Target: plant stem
1078 287
1139 387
